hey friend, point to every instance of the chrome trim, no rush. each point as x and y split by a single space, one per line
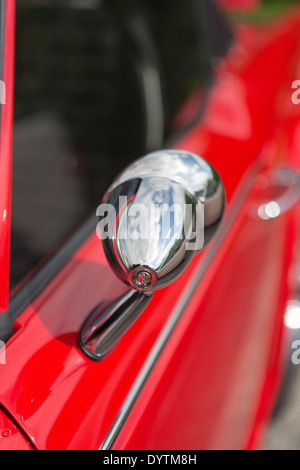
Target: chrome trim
242 193
280 179
107 323
292 314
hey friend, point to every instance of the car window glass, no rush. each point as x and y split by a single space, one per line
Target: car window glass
97 84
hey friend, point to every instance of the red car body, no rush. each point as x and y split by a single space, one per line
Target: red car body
240 4
201 367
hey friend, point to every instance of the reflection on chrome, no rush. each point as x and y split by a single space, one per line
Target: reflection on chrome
287 182
269 211
172 179
292 315
106 324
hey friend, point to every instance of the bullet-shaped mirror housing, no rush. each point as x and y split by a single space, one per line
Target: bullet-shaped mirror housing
157 214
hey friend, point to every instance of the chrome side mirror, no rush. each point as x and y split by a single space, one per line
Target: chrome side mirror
156 215
173 198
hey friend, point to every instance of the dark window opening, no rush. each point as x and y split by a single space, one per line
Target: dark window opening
97 84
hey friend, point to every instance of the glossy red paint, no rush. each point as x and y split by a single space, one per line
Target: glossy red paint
216 379
196 393
5 152
10 436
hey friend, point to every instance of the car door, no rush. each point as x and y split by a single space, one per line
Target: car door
200 366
